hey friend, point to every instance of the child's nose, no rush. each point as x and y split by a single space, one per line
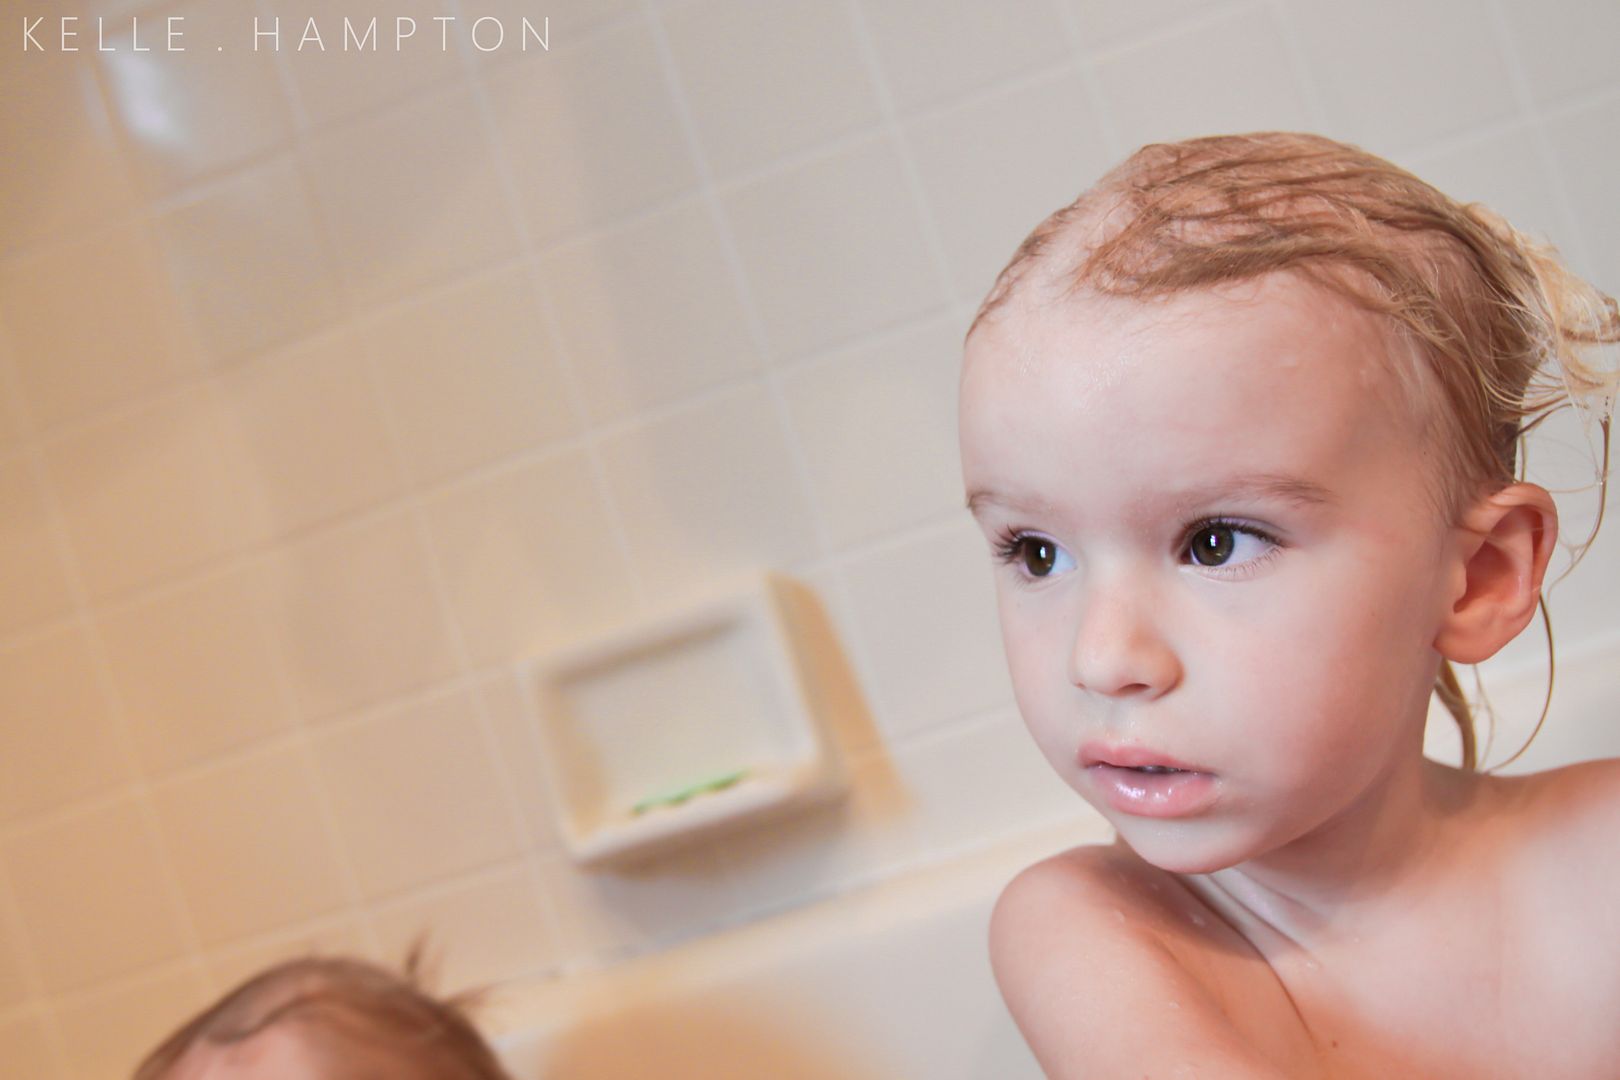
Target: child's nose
1118 649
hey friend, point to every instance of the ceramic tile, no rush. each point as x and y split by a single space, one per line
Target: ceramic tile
1590 169
649 312
195 671
92 895
15 955
249 845
414 794
339 935
355 615
590 134
107 1031
362 53
766 78
1565 49
60 742
559 23
195 104
249 261
1505 170
154 490
983 207
925 612
25 1047
316 438
899 393
932 51
974 783
480 933
63 169
707 491
1105 24
35 585
93 322
410 197
528 558
1226 75
470 375
834 248
1442 74
13 425
518 755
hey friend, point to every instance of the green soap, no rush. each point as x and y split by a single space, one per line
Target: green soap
675 798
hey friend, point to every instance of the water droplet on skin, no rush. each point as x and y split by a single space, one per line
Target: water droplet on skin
1118 914
1198 920
1175 1004
1312 965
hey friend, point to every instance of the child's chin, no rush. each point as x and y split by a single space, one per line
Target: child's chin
1176 848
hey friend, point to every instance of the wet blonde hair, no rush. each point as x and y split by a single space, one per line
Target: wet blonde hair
359 1020
1498 321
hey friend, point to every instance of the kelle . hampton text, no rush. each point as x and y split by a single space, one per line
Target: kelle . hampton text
70 33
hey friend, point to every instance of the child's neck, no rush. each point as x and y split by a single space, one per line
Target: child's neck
1402 846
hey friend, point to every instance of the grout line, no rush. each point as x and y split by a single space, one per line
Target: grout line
771 375
926 216
1085 67
137 788
1551 169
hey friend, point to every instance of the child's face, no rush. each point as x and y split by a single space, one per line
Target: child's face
1286 649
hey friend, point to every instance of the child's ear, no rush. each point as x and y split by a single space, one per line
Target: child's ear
1503 545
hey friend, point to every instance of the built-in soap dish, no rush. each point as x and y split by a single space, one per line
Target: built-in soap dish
692 721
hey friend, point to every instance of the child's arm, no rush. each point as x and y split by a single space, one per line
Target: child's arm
1092 993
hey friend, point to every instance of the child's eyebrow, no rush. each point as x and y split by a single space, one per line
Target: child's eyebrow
1276 487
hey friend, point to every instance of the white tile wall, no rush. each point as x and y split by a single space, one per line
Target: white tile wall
35 586
1362 71
469 374
75 359
798 82
64 871
835 247
60 742
274 283
650 312
186 114
932 51
333 385
251 846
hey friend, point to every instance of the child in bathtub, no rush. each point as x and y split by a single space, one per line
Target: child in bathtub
1240 426
327 1018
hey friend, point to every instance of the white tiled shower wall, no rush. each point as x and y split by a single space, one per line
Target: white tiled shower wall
332 385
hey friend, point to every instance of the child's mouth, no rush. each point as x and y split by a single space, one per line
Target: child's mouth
1158 791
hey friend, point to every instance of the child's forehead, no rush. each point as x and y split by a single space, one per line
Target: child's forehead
1112 395
1081 343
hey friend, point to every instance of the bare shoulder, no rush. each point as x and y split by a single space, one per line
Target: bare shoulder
1573 861
1576 814
1092 985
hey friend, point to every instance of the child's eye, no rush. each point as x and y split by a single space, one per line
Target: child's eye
1216 543
1037 554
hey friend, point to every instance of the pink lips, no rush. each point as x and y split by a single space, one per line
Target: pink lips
1130 757
1154 795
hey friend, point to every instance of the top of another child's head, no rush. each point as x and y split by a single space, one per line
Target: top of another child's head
326 1018
1241 424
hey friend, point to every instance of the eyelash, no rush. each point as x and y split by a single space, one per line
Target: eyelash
1010 541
